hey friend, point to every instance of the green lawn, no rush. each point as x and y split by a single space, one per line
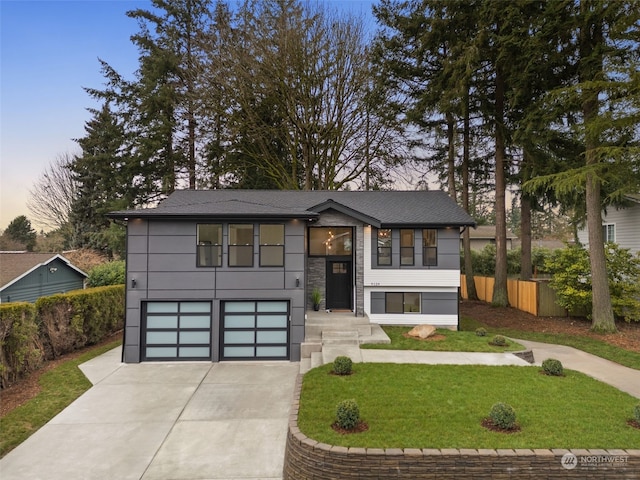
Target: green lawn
60 386
454 342
586 344
441 406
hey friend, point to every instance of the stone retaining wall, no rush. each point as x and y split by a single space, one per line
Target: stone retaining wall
306 459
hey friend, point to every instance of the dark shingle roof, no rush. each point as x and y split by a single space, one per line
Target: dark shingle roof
379 208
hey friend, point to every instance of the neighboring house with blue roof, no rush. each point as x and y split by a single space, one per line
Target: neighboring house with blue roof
229 274
620 225
25 277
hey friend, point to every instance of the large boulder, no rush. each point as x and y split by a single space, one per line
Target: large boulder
422 331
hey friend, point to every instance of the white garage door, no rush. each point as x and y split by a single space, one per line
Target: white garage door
176 331
255 330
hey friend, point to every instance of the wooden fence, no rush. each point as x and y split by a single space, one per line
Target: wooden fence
535 297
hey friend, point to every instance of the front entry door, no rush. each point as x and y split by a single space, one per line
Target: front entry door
339 285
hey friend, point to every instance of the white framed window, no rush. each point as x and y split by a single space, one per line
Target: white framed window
609 232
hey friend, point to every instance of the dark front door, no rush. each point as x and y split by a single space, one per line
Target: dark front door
339 285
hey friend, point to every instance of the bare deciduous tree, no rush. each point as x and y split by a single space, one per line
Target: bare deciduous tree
51 195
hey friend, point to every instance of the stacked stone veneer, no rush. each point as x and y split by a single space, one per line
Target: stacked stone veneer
317 266
305 458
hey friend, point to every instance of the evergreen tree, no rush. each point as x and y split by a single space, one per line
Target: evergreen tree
20 230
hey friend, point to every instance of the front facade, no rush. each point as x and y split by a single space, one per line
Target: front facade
26 276
229 274
619 225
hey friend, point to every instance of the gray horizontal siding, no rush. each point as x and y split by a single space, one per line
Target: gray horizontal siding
448 250
433 303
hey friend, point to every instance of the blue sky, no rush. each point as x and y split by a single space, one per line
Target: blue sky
49 51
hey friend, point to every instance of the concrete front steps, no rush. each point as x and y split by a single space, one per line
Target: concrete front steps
331 334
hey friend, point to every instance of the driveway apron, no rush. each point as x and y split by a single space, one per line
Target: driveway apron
166 421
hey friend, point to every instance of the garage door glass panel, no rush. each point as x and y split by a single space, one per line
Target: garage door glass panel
195 307
240 321
239 306
272 321
161 337
195 322
239 337
161 352
192 352
162 322
194 337
244 352
162 307
271 337
271 351
272 307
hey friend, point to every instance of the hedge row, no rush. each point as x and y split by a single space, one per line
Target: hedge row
55 325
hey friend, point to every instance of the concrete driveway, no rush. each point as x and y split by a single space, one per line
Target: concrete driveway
165 421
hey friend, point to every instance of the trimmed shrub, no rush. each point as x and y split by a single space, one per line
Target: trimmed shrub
499 340
503 415
20 347
551 366
342 365
112 273
75 319
481 332
636 413
347 414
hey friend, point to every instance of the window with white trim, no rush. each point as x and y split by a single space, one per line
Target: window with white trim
609 232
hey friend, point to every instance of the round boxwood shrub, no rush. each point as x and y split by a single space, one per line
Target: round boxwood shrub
551 366
347 414
499 340
342 365
503 416
481 332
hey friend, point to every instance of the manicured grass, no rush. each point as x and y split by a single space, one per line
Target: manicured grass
59 387
454 342
441 406
586 344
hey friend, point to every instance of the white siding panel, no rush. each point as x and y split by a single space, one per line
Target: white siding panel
405 319
627 226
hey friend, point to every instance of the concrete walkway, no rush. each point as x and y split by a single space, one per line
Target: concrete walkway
165 421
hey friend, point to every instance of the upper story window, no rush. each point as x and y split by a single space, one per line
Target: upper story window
406 247
609 232
209 245
330 241
384 246
429 247
241 245
271 245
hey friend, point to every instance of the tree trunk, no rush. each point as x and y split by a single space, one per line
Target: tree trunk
472 294
500 296
451 156
525 237
591 40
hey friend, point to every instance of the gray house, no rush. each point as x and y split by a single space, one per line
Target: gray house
228 274
25 277
620 225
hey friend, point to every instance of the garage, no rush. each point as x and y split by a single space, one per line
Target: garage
176 331
254 330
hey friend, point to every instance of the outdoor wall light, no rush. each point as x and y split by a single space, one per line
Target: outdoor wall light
133 283
297 281
53 270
